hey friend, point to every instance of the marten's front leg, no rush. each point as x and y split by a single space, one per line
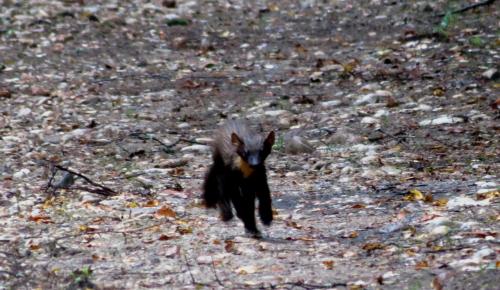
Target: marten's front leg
244 203
265 202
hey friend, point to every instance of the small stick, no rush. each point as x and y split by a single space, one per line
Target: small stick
105 190
215 273
189 269
469 7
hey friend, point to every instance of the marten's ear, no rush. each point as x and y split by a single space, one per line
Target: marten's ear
236 141
269 142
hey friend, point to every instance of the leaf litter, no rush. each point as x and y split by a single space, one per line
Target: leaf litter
385 172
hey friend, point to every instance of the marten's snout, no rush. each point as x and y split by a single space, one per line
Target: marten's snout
253 159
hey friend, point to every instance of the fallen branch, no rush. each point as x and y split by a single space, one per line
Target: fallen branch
104 189
189 269
215 273
469 7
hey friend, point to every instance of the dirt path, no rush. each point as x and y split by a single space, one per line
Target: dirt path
401 107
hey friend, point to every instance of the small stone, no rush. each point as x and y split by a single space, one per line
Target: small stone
23 112
369 120
445 119
196 148
316 76
296 144
275 113
21 173
39 91
440 231
491 74
463 201
183 125
204 260
330 104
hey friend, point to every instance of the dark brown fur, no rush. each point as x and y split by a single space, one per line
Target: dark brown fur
238 175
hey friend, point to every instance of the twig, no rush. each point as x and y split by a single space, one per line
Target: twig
189 269
105 190
215 273
314 286
49 184
469 7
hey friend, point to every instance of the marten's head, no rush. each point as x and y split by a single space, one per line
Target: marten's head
253 151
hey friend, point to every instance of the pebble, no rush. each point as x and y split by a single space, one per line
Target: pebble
23 112
331 104
490 74
276 113
445 119
196 148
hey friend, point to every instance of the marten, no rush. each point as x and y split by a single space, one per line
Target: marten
238 175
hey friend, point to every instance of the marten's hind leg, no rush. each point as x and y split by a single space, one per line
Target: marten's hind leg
211 192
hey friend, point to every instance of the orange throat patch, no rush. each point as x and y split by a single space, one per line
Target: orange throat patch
243 166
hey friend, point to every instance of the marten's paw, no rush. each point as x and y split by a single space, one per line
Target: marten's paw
266 217
226 215
254 234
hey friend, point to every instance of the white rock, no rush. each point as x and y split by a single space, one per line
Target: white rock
390 170
196 148
364 148
371 159
366 99
21 173
423 107
204 260
490 74
381 113
330 104
332 67
445 119
369 120
316 76
370 87
276 113
23 112
204 140
440 231
183 125
77 133
486 184
461 201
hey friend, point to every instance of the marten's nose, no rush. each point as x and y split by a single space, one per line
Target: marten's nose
253 160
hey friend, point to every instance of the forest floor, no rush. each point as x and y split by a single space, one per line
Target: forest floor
384 173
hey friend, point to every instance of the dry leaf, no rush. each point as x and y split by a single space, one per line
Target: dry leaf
164 238
353 234
436 284
184 230
165 211
152 203
422 265
40 219
440 202
487 195
372 246
229 246
328 264
414 195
